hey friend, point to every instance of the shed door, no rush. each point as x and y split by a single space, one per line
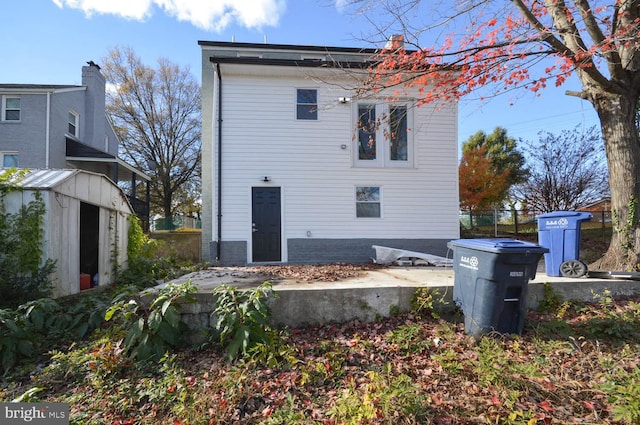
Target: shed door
266 226
89 238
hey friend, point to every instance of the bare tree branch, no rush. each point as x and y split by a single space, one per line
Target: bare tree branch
156 114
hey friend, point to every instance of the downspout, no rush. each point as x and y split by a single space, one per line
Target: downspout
47 129
219 164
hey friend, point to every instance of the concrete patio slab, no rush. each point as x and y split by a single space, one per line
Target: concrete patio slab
373 294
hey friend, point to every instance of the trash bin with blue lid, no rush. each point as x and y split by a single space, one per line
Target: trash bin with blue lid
491 282
559 231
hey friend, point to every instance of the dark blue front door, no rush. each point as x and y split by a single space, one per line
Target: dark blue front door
266 227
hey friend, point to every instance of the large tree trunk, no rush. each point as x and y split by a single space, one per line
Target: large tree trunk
617 118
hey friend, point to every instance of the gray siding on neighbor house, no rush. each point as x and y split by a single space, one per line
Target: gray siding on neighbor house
28 134
61 104
50 105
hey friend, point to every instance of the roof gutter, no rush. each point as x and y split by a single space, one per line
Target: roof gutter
219 165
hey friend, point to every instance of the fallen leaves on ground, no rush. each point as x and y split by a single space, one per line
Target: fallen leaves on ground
578 365
318 273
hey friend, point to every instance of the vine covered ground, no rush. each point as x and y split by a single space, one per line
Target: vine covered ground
575 363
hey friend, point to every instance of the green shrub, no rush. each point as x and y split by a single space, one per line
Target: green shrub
242 318
24 276
623 392
408 338
428 301
15 340
381 398
136 239
39 325
152 328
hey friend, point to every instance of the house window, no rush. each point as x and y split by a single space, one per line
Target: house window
383 135
366 132
10 108
307 104
398 135
368 202
73 123
9 159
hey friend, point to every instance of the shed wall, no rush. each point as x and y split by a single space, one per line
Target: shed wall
62 226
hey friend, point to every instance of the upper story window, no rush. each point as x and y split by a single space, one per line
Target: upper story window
307 104
9 159
367 143
398 133
383 135
73 123
10 108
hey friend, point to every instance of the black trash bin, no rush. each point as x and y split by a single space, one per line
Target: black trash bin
491 282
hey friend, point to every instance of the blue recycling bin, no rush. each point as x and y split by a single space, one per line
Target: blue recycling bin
491 282
559 231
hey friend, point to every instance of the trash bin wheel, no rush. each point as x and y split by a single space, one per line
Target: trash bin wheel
573 268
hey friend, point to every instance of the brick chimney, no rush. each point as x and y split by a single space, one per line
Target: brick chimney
395 42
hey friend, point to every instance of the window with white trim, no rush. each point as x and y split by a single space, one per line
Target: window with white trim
367 143
74 119
9 159
368 202
306 104
398 133
10 108
383 136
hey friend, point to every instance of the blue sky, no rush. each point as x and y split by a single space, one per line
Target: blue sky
48 41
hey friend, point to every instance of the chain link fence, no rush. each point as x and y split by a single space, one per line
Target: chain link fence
174 223
497 223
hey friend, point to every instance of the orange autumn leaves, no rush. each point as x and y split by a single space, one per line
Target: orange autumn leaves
481 184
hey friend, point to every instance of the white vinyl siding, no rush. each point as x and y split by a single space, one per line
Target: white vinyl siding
315 171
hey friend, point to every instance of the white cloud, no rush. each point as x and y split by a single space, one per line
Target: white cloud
213 15
130 9
342 4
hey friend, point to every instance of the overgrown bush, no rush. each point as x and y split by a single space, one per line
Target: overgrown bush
152 327
242 318
429 301
24 276
145 268
37 326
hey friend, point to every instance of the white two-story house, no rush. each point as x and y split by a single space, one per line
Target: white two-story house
300 167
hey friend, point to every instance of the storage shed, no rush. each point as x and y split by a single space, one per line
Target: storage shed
85 223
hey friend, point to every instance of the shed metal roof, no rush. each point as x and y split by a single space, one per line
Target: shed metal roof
42 178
